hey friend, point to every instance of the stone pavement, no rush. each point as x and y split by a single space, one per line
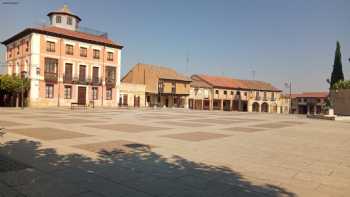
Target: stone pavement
115 152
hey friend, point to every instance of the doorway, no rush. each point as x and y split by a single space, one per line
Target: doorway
81 95
226 105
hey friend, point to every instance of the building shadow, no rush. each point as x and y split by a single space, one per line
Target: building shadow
29 169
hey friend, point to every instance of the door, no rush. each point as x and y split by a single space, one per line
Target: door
226 105
125 100
136 101
82 73
81 95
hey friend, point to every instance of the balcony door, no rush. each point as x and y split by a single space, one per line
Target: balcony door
95 73
68 70
82 73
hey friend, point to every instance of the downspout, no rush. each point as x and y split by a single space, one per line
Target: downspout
58 74
103 71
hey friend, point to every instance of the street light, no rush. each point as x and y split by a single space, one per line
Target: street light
289 85
23 77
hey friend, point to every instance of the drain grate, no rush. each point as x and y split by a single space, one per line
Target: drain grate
7 164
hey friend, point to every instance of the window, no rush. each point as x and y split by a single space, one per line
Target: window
9 52
173 87
27 46
95 72
273 96
238 93
67 92
96 54
69 49
94 93
58 19
110 73
83 52
50 65
225 92
110 56
109 94
68 70
232 93
245 93
216 91
49 91
82 73
17 50
69 20
50 46
160 86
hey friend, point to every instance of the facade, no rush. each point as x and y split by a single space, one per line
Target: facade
309 102
132 95
164 86
64 64
228 94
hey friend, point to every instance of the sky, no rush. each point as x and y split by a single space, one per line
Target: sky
278 40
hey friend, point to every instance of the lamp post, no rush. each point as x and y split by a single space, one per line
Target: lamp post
23 77
289 85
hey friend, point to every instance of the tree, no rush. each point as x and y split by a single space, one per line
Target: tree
337 73
12 86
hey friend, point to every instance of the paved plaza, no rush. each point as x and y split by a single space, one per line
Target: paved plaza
171 152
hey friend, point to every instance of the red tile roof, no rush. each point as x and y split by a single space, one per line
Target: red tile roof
227 82
311 95
65 33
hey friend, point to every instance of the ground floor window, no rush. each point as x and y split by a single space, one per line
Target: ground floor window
109 94
49 91
94 93
67 92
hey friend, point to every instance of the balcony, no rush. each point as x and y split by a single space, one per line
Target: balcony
80 80
67 79
264 98
173 90
96 81
110 82
258 98
50 77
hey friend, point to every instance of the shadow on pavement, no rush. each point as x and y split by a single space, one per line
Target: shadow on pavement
44 172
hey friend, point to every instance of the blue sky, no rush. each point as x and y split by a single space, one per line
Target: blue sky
281 40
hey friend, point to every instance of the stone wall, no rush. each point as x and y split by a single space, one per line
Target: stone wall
341 101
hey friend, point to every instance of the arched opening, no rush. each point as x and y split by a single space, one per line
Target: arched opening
255 107
264 107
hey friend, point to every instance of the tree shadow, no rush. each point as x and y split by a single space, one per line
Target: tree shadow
140 172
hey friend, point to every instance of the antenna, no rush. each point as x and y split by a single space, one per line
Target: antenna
187 62
253 74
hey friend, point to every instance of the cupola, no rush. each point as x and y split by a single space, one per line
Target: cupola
64 18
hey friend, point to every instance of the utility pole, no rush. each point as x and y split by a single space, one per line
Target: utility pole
289 85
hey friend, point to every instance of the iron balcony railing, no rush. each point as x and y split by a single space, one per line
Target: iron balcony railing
67 79
110 82
50 77
96 81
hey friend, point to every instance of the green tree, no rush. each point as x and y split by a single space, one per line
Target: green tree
337 73
12 86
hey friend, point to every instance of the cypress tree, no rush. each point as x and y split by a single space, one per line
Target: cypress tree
337 73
